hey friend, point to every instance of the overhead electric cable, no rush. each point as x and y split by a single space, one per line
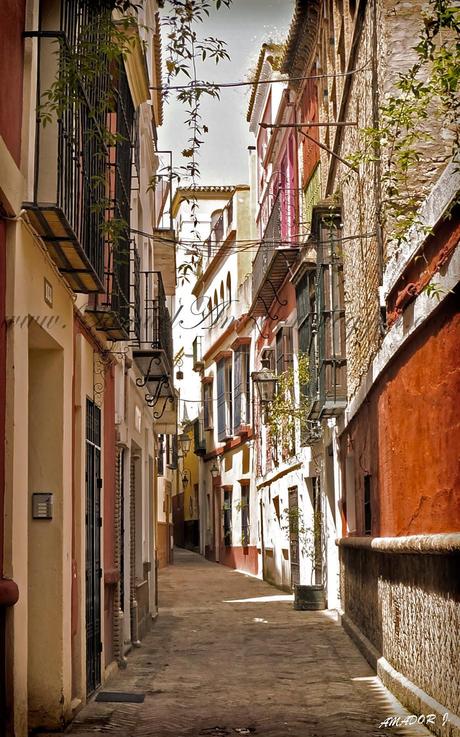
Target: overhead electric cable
255 83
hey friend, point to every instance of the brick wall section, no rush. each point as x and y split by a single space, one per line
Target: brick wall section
355 98
356 192
401 23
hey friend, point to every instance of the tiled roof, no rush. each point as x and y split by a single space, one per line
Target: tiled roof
206 190
210 188
301 39
158 73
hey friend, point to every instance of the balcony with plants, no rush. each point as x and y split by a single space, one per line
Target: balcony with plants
277 252
71 153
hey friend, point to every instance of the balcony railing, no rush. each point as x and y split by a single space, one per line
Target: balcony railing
70 155
155 321
113 310
272 261
117 311
153 349
323 332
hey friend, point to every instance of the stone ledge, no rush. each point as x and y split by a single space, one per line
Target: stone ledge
440 544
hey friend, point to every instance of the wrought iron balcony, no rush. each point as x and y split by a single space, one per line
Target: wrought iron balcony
70 155
272 262
321 316
117 311
153 350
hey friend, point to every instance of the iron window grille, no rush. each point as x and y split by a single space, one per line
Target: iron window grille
155 320
245 515
71 156
227 518
321 318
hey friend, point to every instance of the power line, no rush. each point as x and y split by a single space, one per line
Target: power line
224 85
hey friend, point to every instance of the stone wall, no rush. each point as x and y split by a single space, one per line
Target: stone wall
408 607
350 99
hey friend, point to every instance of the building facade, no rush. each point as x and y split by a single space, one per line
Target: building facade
377 317
87 312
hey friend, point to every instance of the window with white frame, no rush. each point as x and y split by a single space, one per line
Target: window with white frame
207 406
224 398
242 385
284 350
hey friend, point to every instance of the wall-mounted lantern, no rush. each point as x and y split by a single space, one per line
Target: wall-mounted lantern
215 468
265 382
184 444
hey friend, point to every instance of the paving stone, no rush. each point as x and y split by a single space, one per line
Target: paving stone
215 665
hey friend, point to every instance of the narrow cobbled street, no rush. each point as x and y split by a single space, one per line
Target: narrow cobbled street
228 655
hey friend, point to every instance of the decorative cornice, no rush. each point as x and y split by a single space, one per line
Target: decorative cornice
241 340
136 69
437 544
157 82
222 354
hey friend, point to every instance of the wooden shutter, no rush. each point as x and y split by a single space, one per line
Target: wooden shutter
237 390
221 400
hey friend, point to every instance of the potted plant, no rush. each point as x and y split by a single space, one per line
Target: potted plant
312 596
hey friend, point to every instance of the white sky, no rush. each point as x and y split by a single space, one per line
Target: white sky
223 157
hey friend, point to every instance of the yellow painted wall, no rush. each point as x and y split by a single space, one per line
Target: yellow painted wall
38 552
191 463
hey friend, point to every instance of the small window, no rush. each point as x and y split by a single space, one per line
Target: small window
284 350
245 530
229 289
227 518
161 455
367 505
207 406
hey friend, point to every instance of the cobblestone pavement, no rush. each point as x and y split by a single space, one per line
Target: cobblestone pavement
228 655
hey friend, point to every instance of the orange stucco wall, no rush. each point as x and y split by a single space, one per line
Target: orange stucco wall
407 435
244 559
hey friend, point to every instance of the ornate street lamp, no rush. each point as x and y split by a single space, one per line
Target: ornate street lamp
186 477
265 382
215 469
184 443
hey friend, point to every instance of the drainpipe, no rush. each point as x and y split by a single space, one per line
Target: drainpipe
117 612
132 514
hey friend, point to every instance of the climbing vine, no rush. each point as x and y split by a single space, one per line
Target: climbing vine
430 88
287 410
292 523
101 45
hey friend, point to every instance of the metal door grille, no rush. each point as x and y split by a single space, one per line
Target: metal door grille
93 546
294 536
